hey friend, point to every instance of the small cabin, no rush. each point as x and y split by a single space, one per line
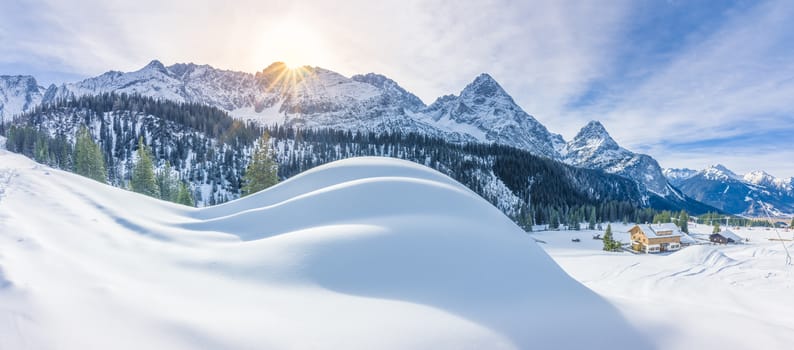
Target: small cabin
720 239
655 238
724 237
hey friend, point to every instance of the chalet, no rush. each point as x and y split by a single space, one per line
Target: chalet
655 238
724 237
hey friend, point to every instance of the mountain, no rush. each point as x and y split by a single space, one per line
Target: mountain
764 179
208 150
18 93
594 148
676 175
484 110
314 97
720 187
357 272
317 97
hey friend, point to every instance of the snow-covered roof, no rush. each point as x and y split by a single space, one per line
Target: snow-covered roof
687 239
651 230
729 234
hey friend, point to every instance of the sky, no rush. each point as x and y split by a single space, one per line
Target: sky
691 83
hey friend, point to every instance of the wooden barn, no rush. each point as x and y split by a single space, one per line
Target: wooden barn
724 237
655 238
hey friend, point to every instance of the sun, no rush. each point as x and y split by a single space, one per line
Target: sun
291 41
286 78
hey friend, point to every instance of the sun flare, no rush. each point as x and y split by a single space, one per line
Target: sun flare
290 41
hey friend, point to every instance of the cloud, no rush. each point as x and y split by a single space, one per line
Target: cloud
736 82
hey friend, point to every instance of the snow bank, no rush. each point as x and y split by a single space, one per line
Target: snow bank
361 253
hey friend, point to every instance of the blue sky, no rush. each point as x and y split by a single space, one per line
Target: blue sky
690 82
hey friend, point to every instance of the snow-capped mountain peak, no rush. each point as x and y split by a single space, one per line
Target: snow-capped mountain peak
719 172
484 86
593 137
676 175
720 187
18 94
155 65
594 148
484 110
762 178
392 89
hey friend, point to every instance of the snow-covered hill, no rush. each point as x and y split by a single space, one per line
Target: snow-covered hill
720 187
358 254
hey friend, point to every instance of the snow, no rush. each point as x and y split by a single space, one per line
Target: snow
763 178
448 124
18 94
363 253
651 230
719 172
701 297
268 116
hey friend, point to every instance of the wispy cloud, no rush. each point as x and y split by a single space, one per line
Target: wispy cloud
735 83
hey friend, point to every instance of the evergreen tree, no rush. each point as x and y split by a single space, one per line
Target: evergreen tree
183 195
88 158
143 179
683 221
716 228
591 225
262 171
609 242
167 183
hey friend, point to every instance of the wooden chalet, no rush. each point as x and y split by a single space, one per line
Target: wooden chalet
655 238
724 237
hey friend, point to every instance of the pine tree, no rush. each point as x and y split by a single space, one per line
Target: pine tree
609 242
167 184
683 221
88 158
262 172
143 179
591 225
183 195
716 228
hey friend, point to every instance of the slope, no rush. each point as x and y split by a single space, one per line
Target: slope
363 253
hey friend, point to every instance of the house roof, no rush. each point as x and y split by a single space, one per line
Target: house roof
650 230
687 239
729 234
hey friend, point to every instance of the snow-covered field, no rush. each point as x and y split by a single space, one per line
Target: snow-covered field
364 253
359 254
702 297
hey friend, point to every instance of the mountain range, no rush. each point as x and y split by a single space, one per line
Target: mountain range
316 97
748 195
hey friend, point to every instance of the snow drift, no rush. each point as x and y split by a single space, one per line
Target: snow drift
361 253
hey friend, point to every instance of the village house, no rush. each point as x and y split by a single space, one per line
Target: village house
724 237
655 238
